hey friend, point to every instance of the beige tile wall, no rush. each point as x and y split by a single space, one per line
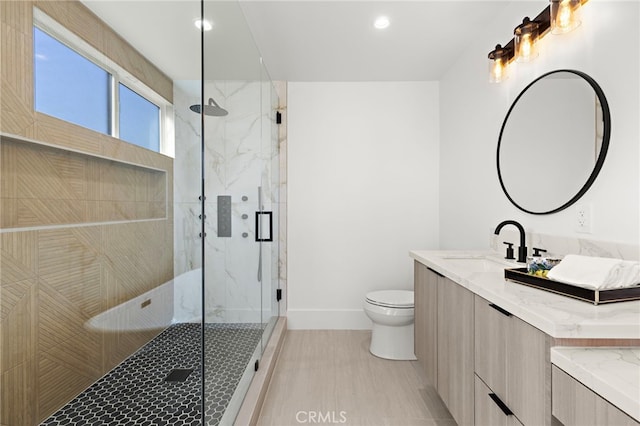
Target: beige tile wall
61 263
43 186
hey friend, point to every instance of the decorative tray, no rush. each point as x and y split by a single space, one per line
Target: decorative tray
597 297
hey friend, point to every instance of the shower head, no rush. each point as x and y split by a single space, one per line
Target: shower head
212 109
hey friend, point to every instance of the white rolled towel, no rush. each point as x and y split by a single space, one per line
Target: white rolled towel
597 273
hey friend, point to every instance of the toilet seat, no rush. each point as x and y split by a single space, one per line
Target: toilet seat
396 299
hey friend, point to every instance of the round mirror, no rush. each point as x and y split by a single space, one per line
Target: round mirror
553 141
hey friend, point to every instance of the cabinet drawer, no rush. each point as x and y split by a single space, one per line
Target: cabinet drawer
511 358
574 404
488 411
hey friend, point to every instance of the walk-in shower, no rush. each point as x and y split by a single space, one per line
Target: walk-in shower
139 285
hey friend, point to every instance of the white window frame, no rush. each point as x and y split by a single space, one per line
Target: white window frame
117 75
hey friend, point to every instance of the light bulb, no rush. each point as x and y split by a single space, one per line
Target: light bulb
498 62
497 70
564 15
525 47
526 36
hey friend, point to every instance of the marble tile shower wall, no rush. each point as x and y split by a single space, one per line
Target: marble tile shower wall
239 157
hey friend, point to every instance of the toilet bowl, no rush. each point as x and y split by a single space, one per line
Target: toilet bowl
391 312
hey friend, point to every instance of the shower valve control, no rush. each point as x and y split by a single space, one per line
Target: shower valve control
224 216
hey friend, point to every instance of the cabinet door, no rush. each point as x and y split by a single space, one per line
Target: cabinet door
528 373
425 321
455 350
490 333
576 405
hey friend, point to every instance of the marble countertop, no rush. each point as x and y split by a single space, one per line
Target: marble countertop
612 373
558 316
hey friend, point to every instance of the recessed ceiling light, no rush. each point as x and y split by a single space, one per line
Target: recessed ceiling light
203 23
381 22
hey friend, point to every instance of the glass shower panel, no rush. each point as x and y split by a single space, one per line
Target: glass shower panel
233 168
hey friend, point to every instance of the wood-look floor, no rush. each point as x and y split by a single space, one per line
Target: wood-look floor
329 377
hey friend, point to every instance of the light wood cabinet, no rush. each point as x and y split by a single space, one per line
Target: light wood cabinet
491 368
576 405
444 339
512 359
425 320
456 350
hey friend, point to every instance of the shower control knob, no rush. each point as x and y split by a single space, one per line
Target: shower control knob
245 198
245 216
245 235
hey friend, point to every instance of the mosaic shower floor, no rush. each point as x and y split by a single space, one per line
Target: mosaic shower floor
135 392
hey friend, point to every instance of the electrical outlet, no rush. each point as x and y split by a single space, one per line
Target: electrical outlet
584 218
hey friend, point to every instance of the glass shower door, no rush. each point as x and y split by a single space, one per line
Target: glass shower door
270 181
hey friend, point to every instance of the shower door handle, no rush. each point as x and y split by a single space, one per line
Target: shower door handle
264 221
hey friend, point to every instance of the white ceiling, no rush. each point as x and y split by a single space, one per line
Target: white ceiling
300 40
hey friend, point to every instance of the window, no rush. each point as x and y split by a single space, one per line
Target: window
69 86
76 83
139 119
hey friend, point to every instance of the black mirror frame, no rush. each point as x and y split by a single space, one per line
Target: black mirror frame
606 116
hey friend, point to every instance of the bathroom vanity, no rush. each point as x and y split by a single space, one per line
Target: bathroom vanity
494 349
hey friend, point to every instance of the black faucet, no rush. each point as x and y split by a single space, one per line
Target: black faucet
522 250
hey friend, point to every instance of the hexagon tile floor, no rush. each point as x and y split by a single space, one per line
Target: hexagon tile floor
136 393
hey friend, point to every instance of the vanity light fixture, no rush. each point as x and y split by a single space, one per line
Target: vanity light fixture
499 58
560 16
565 15
526 40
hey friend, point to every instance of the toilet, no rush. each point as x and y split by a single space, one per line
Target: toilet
392 314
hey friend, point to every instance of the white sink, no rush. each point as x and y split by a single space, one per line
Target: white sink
477 263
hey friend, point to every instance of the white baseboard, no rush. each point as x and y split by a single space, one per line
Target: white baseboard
327 319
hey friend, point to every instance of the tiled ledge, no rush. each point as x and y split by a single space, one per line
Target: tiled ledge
45 186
